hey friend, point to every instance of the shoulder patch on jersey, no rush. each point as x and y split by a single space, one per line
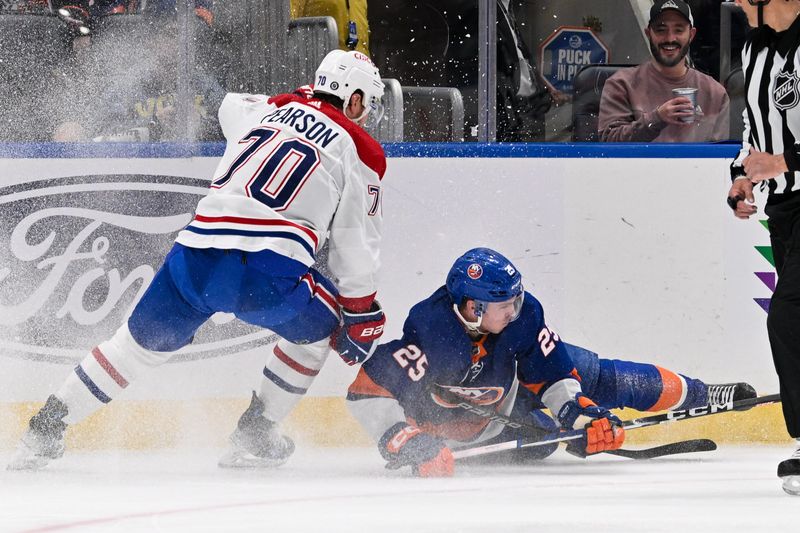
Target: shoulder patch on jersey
476 395
785 94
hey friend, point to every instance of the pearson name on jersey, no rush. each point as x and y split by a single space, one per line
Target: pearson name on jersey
294 168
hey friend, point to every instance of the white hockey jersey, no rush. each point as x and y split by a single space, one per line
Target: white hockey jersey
295 172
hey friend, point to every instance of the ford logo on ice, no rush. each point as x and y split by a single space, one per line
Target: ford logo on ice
77 253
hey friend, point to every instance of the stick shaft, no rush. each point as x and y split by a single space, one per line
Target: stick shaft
543 438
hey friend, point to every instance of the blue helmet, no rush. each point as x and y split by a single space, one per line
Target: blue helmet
485 276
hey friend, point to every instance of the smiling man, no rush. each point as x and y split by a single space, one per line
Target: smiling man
638 103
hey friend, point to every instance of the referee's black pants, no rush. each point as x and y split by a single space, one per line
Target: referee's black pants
783 320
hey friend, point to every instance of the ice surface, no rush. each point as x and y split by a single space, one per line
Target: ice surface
732 489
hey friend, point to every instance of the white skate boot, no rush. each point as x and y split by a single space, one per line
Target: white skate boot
730 392
256 442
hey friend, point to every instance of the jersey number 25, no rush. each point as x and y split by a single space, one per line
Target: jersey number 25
412 358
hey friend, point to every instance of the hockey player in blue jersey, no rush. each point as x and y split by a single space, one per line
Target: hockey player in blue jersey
481 335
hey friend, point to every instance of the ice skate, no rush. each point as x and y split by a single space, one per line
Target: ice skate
789 472
44 439
256 442
728 392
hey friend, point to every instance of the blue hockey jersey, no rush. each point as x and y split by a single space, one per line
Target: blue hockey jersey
394 385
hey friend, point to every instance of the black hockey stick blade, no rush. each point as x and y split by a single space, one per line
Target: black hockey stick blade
673 448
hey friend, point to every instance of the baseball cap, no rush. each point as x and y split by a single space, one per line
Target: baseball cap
680 6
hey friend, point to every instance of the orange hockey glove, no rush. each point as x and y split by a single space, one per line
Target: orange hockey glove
405 445
604 431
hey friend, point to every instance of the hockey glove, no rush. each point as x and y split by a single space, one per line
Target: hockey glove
604 431
357 335
405 445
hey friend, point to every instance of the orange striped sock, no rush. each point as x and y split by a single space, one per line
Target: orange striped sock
673 390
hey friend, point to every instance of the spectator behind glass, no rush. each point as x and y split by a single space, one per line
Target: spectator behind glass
82 15
637 103
24 7
203 9
350 17
132 97
523 95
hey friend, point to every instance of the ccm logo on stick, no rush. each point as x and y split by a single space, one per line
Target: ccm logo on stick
706 409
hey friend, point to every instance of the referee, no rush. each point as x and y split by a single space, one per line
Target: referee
771 154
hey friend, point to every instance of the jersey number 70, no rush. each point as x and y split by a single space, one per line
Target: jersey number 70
275 179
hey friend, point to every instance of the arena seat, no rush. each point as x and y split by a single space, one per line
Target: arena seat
588 88
734 85
433 114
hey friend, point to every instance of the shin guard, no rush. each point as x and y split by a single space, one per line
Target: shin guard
646 387
106 372
288 374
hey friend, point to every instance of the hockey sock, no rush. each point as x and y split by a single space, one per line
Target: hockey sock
106 372
288 374
645 387
696 394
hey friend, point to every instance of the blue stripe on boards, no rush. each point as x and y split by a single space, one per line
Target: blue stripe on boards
91 385
566 150
282 384
124 150
52 150
245 233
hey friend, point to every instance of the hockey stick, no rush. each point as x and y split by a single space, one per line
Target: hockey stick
673 448
542 437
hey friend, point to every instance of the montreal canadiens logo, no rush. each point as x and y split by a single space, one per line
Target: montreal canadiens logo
475 271
785 94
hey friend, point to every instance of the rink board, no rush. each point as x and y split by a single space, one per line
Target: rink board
325 422
630 248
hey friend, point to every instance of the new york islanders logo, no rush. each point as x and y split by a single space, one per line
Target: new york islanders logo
475 271
475 395
785 94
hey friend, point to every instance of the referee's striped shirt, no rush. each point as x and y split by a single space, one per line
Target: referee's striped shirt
772 115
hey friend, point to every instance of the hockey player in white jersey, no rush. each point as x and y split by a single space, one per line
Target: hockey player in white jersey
297 169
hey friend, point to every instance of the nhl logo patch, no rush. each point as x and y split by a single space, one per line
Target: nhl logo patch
785 93
475 271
